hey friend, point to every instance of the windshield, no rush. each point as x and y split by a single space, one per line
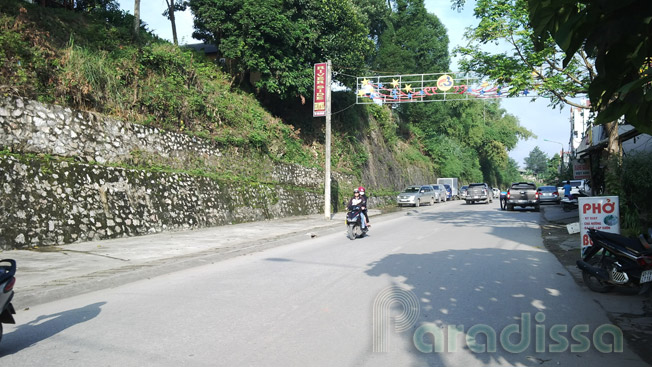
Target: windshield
547 189
411 189
576 183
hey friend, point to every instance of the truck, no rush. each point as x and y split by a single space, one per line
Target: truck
522 194
452 182
479 192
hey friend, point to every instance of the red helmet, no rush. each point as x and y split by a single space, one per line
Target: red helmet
361 189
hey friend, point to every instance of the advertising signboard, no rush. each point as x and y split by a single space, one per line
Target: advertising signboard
598 212
319 94
581 171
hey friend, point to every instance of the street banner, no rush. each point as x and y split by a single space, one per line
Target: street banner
598 212
319 94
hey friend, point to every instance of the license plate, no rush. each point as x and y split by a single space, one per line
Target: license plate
475 196
522 201
646 276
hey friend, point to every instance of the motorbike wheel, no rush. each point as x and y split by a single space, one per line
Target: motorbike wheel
0 332
350 231
594 283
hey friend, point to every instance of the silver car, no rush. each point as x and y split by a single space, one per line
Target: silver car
416 195
440 192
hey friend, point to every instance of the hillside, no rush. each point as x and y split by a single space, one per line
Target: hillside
88 61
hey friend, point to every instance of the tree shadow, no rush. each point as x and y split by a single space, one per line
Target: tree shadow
46 326
485 289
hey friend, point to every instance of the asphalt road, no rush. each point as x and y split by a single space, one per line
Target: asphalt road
477 277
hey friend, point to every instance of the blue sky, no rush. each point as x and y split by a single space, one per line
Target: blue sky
543 121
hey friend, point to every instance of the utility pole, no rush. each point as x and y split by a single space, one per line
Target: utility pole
327 165
322 107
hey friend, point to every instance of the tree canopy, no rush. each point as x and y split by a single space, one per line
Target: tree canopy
618 35
537 161
281 40
523 67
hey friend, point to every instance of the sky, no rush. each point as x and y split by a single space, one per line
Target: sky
543 121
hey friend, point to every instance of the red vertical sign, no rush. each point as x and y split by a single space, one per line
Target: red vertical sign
319 95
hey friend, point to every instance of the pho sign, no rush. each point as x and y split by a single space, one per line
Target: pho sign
319 94
598 212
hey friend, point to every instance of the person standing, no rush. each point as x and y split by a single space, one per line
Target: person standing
567 189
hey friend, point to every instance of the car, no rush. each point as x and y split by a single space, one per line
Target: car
440 192
449 192
463 191
496 192
522 194
416 195
548 194
479 192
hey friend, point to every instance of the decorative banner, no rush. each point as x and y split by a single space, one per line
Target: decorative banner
598 212
427 88
319 94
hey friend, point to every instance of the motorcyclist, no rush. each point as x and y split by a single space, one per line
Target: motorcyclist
360 201
567 189
362 194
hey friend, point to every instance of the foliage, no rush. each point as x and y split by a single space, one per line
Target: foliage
618 35
537 161
527 67
510 174
282 40
412 41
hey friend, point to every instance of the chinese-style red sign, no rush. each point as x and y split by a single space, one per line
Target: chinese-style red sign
319 95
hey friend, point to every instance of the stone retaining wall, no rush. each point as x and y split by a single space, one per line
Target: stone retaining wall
57 202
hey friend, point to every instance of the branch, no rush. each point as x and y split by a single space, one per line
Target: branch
588 65
556 93
562 70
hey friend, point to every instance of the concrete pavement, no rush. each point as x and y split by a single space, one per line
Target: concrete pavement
55 272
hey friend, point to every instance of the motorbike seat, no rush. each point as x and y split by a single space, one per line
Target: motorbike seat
621 241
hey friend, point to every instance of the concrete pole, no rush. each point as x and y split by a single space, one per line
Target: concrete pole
327 166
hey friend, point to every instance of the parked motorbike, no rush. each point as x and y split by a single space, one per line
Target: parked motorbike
615 260
354 223
570 203
7 280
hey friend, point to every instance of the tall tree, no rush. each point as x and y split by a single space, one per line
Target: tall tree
276 43
537 161
173 7
136 18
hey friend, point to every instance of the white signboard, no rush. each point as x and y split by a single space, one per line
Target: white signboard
598 212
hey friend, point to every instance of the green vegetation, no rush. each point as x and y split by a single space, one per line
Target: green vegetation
87 60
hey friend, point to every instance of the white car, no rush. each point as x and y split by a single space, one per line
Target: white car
416 196
496 192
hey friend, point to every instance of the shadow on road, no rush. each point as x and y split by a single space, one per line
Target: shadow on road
486 289
46 326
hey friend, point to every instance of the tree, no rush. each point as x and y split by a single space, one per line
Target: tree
412 40
526 68
536 161
618 35
276 43
169 13
136 18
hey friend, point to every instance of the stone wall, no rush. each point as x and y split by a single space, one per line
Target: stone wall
45 202
65 179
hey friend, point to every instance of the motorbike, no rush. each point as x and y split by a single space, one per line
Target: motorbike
354 223
570 203
7 281
615 260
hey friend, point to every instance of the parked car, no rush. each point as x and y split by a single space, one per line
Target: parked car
416 195
522 194
440 192
463 191
548 194
479 192
449 192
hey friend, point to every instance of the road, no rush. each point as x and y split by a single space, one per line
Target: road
329 301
